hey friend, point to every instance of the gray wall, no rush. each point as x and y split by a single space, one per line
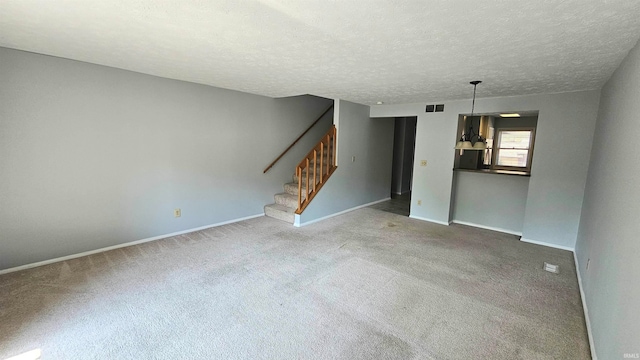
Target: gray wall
560 161
494 201
366 180
490 200
92 156
609 226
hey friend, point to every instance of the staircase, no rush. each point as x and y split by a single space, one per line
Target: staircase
286 202
309 176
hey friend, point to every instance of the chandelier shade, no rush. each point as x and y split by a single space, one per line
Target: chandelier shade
466 140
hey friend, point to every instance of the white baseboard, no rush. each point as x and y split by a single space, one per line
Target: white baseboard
561 247
131 243
592 345
297 223
518 233
429 220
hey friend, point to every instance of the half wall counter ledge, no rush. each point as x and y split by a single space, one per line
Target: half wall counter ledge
499 172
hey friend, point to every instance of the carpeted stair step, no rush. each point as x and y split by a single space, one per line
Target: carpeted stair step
311 168
280 212
304 184
304 179
292 188
287 200
304 175
324 162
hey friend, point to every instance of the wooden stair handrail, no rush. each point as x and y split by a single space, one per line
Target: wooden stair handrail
323 158
298 139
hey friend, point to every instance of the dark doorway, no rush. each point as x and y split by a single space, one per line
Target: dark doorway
404 141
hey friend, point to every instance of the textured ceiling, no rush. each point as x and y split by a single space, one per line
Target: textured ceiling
363 51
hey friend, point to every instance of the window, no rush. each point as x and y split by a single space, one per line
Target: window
513 149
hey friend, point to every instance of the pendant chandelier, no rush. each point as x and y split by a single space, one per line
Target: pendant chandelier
466 140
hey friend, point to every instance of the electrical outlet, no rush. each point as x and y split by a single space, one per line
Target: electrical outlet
419 202
423 162
177 212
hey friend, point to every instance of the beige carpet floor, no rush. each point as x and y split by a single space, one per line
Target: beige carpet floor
365 285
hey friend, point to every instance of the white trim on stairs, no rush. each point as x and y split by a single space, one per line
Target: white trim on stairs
297 223
131 243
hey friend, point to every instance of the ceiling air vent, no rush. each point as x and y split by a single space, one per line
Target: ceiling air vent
435 108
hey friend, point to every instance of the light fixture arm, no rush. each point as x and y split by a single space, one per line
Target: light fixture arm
473 103
473 107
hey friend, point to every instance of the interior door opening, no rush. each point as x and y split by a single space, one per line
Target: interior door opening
404 141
